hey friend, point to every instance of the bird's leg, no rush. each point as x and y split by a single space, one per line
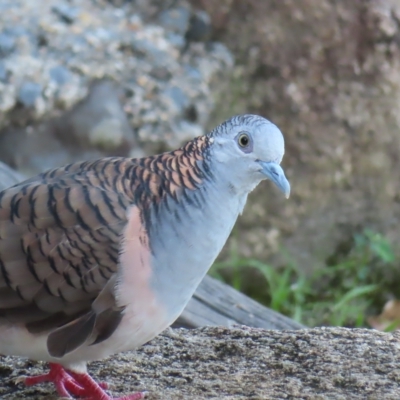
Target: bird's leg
64 382
94 391
69 383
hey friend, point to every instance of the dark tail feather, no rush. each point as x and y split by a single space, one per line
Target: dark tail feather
106 323
70 336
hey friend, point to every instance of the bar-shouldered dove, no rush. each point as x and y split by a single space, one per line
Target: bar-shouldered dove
99 257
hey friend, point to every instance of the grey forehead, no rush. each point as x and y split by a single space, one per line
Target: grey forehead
255 122
275 149
249 119
274 139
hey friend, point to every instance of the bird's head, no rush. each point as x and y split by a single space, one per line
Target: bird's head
250 148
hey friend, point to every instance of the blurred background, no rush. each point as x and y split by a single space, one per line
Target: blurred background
82 79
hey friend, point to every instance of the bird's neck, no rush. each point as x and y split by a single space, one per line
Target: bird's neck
182 168
187 235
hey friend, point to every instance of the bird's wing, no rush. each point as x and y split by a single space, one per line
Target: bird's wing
60 238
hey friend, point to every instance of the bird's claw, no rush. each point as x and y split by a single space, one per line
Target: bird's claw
19 379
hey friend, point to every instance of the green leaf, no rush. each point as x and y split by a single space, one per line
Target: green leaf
353 294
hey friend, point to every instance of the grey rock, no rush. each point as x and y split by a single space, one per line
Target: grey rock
28 93
17 31
32 154
184 131
39 160
177 40
7 44
9 177
66 12
192 72
7 5
98 121
3 72
200 27
34 151
177 96
63 59
145 48
161 72
221 52
60 74
175 19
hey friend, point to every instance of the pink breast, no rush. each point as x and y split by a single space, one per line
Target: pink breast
144 315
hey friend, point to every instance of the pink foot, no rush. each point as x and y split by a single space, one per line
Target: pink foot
80 385
95 392
65 384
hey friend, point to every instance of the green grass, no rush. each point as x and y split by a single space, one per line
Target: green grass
343 293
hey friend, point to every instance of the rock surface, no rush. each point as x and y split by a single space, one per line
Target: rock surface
81 79
243 363
9 177
328 73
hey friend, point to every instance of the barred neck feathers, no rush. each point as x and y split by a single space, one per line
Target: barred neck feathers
184 168
144 180
148 180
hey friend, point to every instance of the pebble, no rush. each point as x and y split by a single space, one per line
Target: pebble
99 121
175 19
3 73
66 12
178 97
176 40
28 93
199 28
145 48
161 72
60 74
7 44
192 72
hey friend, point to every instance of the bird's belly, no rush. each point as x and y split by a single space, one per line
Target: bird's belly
15 340
182 260
140 323
139 326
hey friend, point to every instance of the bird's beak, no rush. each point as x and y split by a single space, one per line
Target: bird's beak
274 172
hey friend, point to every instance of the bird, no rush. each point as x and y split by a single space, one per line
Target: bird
99 257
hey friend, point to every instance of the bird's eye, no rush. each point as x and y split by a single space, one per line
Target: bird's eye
243 140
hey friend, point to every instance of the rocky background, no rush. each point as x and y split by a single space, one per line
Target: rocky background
327 72
82 79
